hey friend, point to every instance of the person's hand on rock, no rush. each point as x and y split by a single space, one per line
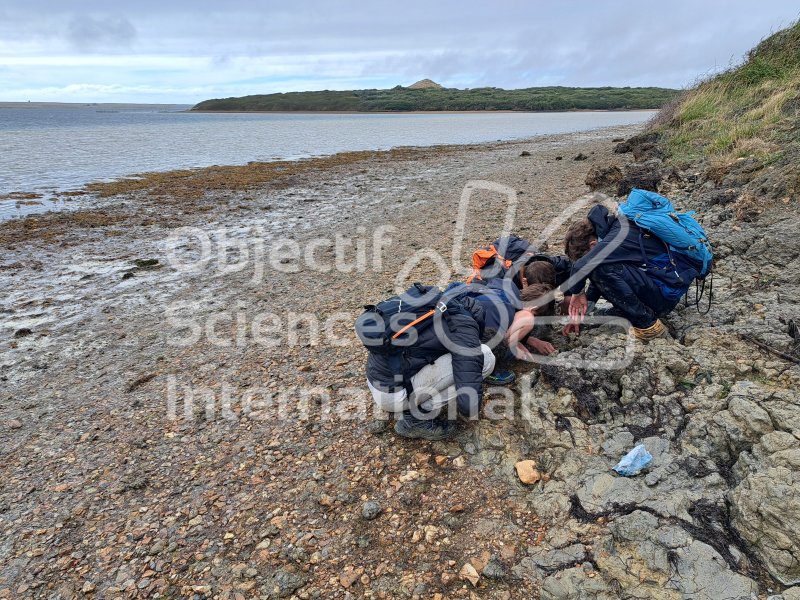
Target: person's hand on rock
540 346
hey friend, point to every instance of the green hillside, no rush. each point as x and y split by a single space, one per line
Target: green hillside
751 110
399 99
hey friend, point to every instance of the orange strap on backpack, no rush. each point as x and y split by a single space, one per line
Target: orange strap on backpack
414 322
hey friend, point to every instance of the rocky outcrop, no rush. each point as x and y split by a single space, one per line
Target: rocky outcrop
716 514
604 178
766 504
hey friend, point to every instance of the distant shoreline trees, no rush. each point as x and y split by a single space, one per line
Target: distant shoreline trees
401 99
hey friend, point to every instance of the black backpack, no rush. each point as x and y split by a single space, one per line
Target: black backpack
394 324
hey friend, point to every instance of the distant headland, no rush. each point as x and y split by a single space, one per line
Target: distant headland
427 95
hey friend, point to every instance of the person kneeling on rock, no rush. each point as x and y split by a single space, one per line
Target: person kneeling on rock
630 267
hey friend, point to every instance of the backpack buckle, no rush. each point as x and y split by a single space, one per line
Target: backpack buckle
441 306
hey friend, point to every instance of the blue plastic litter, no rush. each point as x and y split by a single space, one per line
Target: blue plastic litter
634 461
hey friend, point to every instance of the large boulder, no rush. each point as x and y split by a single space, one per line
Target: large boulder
604 178
646 548
638 144
642 176
766 505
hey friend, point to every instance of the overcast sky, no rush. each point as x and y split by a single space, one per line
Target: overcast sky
186 51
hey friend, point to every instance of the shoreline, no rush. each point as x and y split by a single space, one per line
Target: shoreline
420 112
117 105
142 180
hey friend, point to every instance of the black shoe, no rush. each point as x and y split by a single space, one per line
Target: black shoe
427 429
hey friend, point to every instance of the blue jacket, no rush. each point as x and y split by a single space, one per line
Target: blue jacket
463 327
499 297
672 271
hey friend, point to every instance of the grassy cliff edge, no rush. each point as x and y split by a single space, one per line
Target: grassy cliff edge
750 111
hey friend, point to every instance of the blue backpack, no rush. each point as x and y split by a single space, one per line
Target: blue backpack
680 231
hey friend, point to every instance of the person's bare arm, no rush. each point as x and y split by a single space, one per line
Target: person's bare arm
521 326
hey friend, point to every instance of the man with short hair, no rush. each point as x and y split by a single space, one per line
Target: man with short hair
630 267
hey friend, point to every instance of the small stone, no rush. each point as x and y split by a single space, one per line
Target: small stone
144 263
349 576
379 427
285 583
14 424
508 552
524 153
494 569
88 587
409 476
526 471
440 459
326 500
459 462
457 508
24 332
196 521
652 479
431 531
370 510
469 573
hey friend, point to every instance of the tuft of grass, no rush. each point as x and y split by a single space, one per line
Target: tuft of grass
752 109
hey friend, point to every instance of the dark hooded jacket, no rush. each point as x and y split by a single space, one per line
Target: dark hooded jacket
521 252
462 328
561 264
636 247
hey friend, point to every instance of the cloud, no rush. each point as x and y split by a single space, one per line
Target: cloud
91 34
194 49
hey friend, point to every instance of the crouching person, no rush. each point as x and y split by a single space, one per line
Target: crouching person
426 362
642 260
